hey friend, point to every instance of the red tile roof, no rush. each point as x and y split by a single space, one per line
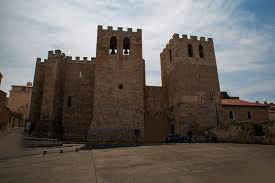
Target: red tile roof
241 103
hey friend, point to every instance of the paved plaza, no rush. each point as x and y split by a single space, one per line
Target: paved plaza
160 163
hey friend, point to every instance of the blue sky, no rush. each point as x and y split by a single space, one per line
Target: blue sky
243 32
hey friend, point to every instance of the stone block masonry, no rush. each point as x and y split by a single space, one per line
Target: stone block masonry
105 99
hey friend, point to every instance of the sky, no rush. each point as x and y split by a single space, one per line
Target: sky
243 33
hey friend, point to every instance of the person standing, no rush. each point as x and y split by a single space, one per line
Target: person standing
28 127
206 136
189 133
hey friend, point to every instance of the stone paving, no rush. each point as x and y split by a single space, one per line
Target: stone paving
162 163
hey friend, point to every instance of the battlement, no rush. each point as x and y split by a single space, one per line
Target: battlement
193 38
55 54
60 54
184 37
79 59
39 61
119 29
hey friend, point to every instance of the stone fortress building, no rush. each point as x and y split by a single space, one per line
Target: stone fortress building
106 99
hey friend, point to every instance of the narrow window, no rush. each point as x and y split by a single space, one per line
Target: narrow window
172 129
170 55
126 46
231 115
201 51
120 86
69 101
190 50
113 45
80 74
249 115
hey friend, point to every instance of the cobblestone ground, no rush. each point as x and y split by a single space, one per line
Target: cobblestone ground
162 163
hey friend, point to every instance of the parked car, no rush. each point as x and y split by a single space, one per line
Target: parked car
175 138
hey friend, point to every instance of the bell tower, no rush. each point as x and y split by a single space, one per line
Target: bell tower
119 86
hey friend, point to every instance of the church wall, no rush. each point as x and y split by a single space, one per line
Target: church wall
78 99
192 83
156 128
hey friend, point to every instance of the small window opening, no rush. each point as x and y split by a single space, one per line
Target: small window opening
80 74
120 86
249 115
231 115
113 45
69 101
201 51
126 46
190 50
170 55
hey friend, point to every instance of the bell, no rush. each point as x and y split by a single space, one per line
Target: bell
126 52
113 51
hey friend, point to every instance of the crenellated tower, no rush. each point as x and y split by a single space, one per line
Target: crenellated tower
189 72
62 98
118 113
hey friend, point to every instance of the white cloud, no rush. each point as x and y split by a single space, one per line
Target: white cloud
32 28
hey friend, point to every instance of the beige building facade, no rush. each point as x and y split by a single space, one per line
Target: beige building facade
20 99
8 119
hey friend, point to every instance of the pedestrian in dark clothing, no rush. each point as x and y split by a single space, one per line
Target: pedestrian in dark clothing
189 133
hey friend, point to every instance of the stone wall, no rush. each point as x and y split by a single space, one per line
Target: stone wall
259 133
79 87
4 112
240 114
56 79
271 115
37 92
156 128
192 83
119 88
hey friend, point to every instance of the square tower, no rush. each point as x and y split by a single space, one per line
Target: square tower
119 86
189 71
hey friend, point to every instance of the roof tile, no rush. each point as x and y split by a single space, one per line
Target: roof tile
241 103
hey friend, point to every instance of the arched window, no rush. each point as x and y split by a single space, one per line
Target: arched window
170 55
126 46
201 51
249 115
231 115
113 45
172 129
190 50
